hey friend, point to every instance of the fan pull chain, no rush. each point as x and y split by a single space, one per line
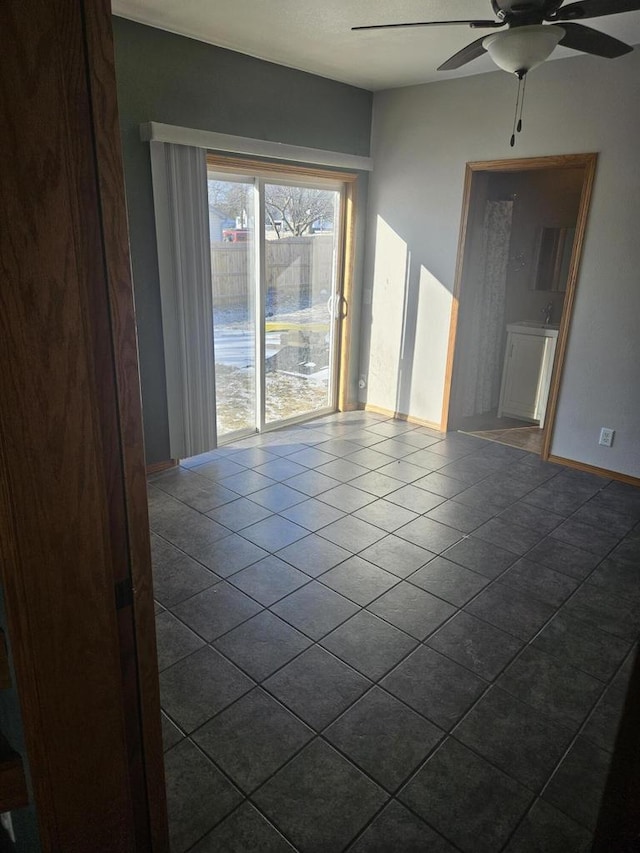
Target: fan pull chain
524 92
517 116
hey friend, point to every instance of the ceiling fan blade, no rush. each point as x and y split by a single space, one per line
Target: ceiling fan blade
471 51
474 24
579 37
594 9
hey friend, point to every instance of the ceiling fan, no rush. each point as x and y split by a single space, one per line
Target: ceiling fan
534 28
528 41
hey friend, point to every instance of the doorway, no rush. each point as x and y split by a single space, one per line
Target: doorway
522 230
276 260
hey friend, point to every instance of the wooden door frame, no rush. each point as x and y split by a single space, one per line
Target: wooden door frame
74 533
587 162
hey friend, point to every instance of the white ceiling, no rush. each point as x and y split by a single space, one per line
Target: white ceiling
317 37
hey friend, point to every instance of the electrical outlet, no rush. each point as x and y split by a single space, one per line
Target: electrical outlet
606 436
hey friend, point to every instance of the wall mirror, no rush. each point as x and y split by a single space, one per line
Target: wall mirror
554 248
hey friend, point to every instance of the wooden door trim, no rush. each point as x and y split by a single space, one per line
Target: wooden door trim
141 616
586 161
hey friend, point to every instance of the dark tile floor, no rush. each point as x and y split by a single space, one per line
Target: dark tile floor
376 638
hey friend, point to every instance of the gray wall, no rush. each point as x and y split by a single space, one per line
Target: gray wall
422 137
175 80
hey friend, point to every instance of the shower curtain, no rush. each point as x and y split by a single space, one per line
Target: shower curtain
486 300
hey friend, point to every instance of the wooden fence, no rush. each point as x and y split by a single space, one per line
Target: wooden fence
299 272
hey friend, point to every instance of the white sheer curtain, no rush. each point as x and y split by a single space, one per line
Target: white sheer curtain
182 230
487 298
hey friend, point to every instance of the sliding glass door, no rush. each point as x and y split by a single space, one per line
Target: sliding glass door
274 263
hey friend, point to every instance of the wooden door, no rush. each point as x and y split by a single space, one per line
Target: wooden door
74 547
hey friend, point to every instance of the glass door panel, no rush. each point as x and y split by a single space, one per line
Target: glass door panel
301 230
233 247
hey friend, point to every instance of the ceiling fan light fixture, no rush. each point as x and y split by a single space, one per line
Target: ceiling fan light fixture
520 49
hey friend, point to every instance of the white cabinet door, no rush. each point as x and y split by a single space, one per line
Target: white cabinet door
522 375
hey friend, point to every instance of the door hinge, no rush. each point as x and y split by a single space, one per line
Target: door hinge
124 593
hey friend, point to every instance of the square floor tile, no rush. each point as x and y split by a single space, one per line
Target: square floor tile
396 828
403 470
434 686
281 469
470 469
231 554
312 514
359 580
171 734
314 555
578 784
583 535
564 558
427 459
539 582
175 575
346 498
386 515
214 468
216 610
196 688
277 497
252 739
174 640
619 576
352 533
440 484
198 795
317 686
448 580
384 737
238 514
582 645
470 802
457 515
342 470
529 515
320 800
377 483
397 555
511 611
312 483
251 457
482 557
553 687
476 645
262 645
315 610
611 613
369 644
244 831
414 498
269 580
516 738
429 534
195 491
246 482
511 537
274 533
412 610
604 722
311 457
546 830
369 458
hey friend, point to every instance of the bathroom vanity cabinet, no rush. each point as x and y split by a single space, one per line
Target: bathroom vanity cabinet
526 374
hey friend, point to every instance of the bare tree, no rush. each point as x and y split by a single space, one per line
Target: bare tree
230 198
297 208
